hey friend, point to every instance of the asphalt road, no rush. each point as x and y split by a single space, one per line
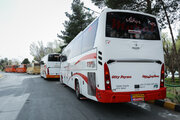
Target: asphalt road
29 97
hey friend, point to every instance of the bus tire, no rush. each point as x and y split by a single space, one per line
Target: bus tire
61 82
44 77
77 89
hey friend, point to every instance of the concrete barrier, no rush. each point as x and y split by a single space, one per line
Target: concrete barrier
166 104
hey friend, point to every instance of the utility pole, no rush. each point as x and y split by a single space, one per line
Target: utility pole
91 10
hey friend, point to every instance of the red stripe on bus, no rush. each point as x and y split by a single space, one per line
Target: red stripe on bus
83 76
90 56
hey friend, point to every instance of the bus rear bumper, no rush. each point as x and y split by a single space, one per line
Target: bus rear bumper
107 96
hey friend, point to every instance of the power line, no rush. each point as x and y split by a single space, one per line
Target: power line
91 10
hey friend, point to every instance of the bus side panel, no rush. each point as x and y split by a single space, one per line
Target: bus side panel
78 68
21 70
43 70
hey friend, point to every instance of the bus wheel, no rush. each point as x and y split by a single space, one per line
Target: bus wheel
61 82
61 79
77 88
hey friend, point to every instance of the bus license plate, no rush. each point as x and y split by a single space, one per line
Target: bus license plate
137 97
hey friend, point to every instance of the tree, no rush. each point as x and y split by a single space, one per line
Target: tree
178 36
10 62
25 61
78 20
37 50
167 10
54 47
15 62
178 50
170 61
178 42
154 7
169 21
3 63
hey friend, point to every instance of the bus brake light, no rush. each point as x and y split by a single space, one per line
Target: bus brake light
107 77
162 76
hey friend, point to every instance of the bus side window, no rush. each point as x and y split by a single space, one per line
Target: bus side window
42 62
89 37
77 46
63 58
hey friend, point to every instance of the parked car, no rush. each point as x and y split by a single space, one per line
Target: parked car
176 74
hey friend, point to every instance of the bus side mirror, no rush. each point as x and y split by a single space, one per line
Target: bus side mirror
63 58
42 63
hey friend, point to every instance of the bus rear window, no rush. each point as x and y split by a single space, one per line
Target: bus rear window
131 26
54 58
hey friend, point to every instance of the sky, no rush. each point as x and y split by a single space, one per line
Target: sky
23 22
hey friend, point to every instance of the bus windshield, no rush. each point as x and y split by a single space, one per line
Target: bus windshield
131 26
54 57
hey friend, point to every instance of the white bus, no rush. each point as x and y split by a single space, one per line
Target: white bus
117 58
50 66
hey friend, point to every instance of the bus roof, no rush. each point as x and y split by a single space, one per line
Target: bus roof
127 11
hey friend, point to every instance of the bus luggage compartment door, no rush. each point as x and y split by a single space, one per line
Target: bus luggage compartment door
92 83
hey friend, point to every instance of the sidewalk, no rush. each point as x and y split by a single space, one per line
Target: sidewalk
0 76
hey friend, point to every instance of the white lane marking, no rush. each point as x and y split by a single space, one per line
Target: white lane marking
11 106
142 105
1 76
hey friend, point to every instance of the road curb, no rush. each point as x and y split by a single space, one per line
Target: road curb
166 104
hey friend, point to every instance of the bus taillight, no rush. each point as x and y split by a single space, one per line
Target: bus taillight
162 76
107 77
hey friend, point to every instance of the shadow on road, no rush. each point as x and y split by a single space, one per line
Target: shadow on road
49 100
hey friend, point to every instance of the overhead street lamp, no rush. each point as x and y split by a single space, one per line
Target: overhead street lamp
91 10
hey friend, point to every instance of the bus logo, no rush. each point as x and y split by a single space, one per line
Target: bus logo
121 77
